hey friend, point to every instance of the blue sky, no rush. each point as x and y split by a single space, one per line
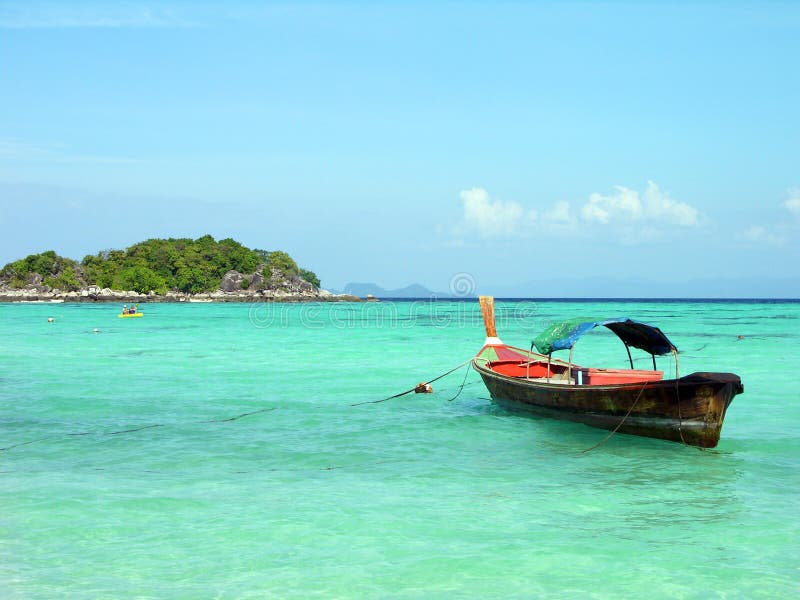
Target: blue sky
527 145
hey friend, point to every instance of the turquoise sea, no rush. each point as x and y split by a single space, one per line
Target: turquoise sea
211 451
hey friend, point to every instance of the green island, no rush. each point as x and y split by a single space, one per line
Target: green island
163 269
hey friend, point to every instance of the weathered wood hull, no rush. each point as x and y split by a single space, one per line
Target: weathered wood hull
690 409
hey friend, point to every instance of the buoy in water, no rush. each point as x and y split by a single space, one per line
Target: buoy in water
50 319
423 388
95 330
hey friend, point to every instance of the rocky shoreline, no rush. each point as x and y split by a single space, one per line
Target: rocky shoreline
234 287
94 294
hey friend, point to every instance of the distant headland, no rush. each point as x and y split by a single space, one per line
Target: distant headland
165 270
413 291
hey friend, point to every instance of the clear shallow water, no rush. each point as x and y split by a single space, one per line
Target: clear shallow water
122 474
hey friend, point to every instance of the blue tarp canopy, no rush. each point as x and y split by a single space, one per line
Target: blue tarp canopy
633 333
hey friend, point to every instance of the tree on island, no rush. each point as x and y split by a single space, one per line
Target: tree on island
46 268
178 264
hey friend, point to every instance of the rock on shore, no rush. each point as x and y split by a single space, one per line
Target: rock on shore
278 289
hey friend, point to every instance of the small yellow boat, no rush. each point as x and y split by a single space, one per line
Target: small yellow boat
130 315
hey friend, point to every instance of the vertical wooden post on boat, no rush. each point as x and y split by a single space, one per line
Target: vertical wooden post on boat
630 360
569 364
487 310
528 363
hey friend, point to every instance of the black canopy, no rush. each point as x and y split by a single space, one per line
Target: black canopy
633 333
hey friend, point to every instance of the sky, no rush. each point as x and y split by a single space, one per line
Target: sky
597 149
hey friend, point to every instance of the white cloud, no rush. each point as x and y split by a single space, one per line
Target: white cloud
602 209
778 233
626 206
659 206
560 214
635 217
11 149
492 218
792 204
760 234
54 15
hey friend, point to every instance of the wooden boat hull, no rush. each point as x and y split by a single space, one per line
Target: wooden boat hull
690 409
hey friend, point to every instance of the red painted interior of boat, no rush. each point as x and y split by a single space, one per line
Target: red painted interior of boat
617 376
539 370
515 368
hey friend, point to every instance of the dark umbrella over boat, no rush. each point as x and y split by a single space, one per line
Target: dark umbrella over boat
687 409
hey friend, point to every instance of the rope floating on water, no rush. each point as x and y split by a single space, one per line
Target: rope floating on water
23 444
247 414
132 430
414 389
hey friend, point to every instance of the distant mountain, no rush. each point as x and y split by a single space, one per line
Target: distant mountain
414 290
605 287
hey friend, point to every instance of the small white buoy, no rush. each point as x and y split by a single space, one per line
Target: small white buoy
50 319
96 330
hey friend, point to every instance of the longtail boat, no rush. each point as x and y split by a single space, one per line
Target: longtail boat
687 409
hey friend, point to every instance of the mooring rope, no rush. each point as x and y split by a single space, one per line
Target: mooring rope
133 430
680 416
247 414
143 427
613 431
416 386
463 383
